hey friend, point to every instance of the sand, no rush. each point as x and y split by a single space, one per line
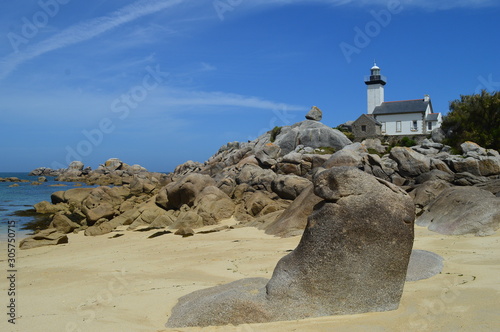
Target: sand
131 283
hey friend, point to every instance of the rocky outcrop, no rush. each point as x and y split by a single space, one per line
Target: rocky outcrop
438 135
293 220
45 207
310 133
410 163
45 237
186 190
63 224
44 171
256 182
263 182
352 258
463 210
375 145
289 186
492 186
188 219
423 265
314 114
101 227
112 172
268 155
13 179
103 203
213 205
427 192
256 177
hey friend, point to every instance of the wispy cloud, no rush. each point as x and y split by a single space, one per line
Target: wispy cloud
84 31
426 4
177 97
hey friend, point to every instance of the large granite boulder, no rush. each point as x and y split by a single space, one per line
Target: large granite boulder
63 224
268 154
463 210
345 157
140 183
438 135
47 237
352 258
73 197
113 164
74 172
185 191
375 145
101 227
492 186
187 219
104 210
103 202
312 134
464 165
423 265
473 149
289 186
76 165
410 163
213 205
427 192
293 220
45 207
150 214
256 177
314 114
259 204
489 166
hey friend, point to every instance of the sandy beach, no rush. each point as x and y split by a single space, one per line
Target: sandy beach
131 283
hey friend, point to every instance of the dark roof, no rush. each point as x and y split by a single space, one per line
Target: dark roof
369 117
432 117
405 106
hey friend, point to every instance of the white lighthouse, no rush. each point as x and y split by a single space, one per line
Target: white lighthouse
375 84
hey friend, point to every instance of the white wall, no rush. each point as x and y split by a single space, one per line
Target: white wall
406 123
375 96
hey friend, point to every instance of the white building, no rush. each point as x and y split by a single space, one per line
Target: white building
396 118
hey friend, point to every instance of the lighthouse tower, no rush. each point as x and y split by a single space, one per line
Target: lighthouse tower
375 84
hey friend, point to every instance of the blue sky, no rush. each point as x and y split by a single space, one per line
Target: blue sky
158 83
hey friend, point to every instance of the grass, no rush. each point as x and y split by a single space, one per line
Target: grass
274 133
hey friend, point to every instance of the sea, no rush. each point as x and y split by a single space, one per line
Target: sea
16 203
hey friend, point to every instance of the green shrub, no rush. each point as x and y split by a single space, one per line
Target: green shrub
408 142
274 133
474 118
373 151
456 151
347 133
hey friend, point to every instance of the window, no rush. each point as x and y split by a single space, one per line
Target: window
429 125
363 128
414 125
398 126
383 127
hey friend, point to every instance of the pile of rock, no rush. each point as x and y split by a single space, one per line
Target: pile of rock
44 171
13 179
266 182
112 172
352 258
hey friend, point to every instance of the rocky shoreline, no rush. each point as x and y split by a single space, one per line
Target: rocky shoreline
268 183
